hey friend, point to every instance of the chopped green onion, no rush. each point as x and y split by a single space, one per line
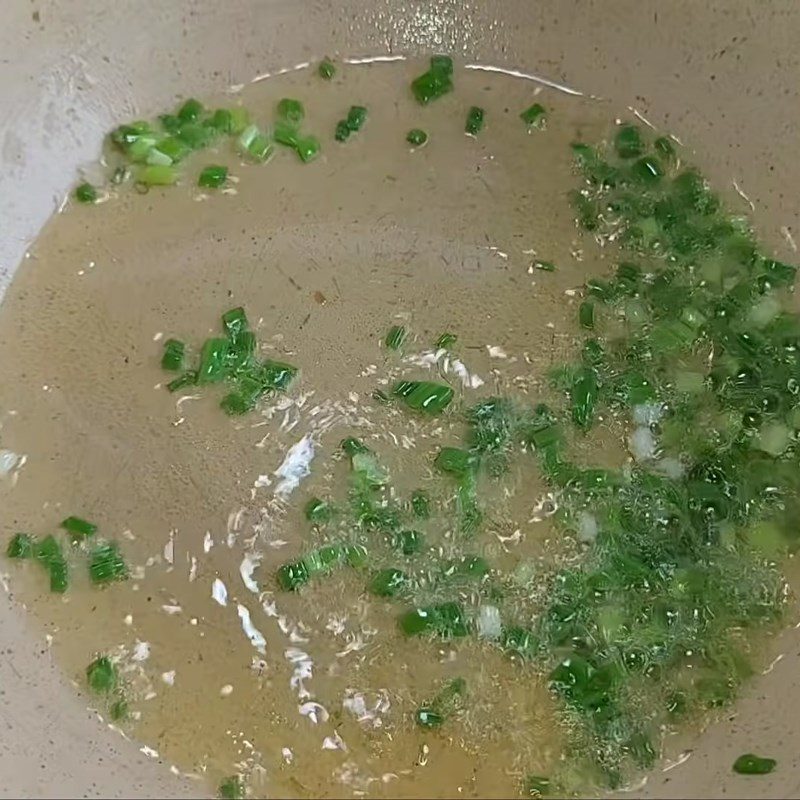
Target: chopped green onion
433 714
455 461
628 142
688 382
232 788
250 388
157 175
308 148
434 83
584 395
135 138
446 341
774 438
235 322
291 111
155 156
318 511
469 513
286 134
519 642
293 576
466 567
323 560
240 355
424 395
442 63
593 352
190 111
776 273
416 137
535 116
537 786
599 289
240 119
356 117
356 555
446 620
408 542
101 675
78 528
474 121
326 69
244 399
212 177
351 446
277 376
545 266
173 149
170 122
213 360
342 132
196 135
749 764
119 709
174 353
365 464
106 564
236 403
648 170
51 556
396 337
374 516
255 143
22 545
388 582
188 378
86 193
586 315
671 336
420 504
430 86
664 147
141 149
222 120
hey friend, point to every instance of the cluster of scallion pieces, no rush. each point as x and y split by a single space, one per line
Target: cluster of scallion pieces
397 528
371 510
105 560
437 81
103 679
152 151
383 522
231 359
689 340
232 788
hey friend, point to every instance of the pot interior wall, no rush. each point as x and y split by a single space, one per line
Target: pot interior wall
722 77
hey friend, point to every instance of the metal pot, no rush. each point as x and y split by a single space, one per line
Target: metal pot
721 77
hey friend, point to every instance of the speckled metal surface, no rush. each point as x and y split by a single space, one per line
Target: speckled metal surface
721 76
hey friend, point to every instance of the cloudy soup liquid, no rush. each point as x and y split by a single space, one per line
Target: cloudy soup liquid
389 618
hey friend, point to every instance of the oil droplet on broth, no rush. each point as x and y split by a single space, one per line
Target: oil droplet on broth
438 239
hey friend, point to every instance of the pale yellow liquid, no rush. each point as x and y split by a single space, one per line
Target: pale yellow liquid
325 257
